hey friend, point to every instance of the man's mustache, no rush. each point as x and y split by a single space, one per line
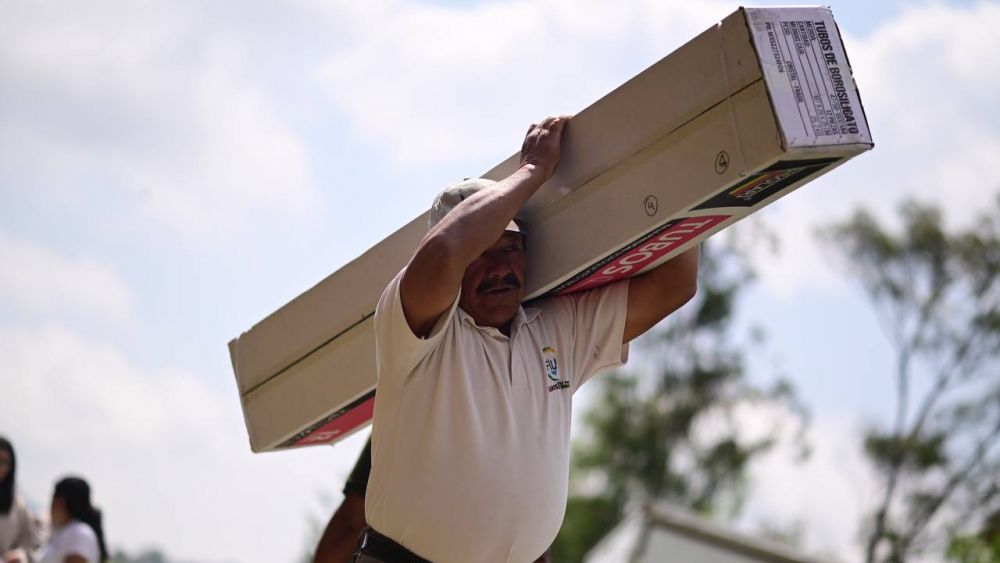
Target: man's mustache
508 281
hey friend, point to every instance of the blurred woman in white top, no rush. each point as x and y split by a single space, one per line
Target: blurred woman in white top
18 531
77 534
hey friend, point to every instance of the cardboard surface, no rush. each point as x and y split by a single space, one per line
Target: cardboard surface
736 118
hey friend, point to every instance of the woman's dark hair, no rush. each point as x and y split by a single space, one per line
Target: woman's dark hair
75 493
7 485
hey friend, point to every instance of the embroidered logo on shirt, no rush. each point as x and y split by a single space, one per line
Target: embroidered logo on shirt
550 361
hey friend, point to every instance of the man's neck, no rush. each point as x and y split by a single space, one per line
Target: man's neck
503 328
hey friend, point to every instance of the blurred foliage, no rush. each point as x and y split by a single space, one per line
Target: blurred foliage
973 549
938 299
983 547
588 518
641 438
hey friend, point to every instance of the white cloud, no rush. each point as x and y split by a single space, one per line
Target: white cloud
929 88
935 93
149 105
166 454
826 496
440 84
38 280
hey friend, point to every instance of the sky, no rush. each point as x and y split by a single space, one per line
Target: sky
172 172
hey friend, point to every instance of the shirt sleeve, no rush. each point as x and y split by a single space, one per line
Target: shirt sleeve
599 328
397 349
81 541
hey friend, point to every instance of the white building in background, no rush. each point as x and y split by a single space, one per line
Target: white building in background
662 534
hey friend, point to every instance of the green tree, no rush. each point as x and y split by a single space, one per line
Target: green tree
936 296
973 549
640 441
983 547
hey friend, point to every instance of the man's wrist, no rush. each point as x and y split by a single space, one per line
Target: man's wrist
529 168
535 172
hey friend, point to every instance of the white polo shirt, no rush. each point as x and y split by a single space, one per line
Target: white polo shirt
470 446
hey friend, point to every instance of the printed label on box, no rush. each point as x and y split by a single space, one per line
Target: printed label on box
632 258
332 427
809 77
766 183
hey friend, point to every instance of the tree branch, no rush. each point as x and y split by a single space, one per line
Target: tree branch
919 523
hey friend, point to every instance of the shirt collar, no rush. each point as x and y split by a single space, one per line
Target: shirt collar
522 317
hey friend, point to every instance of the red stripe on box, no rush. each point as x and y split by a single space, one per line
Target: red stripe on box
652 247
343 424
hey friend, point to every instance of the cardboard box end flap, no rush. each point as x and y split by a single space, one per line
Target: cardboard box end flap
781 37
319 315
722 127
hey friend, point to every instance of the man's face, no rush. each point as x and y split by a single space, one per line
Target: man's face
494 283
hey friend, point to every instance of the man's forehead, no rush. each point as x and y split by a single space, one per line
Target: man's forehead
508 237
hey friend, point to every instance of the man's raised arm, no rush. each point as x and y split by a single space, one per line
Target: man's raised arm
434 273
659 292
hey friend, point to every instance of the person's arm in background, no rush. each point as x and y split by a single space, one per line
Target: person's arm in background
434 274
340 538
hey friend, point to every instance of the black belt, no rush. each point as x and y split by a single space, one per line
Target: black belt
378 546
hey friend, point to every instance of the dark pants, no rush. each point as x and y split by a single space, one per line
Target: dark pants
373 547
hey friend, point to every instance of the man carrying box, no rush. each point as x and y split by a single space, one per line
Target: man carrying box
470 446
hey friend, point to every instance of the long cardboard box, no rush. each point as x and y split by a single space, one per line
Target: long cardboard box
736 118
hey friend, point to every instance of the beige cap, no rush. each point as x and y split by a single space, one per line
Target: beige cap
455 194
